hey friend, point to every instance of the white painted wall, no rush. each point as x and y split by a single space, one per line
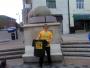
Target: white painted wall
65 24
74 10
61 8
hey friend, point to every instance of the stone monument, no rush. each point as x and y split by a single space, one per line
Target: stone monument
32 29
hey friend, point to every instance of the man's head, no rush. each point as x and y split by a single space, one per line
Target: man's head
45 27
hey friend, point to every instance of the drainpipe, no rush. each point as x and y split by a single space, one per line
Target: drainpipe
69 15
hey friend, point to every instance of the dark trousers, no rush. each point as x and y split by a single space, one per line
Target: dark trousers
47 49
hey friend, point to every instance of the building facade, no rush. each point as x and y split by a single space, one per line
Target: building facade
74 15
6 22
79 15
26 9
58 9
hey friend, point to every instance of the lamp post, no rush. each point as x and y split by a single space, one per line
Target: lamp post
18 16
17 25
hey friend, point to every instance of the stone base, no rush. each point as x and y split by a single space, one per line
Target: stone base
56 54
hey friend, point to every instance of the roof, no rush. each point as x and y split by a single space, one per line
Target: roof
6 17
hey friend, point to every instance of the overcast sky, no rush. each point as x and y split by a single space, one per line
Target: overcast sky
11 8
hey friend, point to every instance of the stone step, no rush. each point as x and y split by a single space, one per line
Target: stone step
76 49
82 54
76 57
75 42
11 53
76 46
32 58
11 57
15 49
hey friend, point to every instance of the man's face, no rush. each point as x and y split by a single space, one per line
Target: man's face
45 28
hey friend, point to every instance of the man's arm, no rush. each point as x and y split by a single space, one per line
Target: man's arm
38 37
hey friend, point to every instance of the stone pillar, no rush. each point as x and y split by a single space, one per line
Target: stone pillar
65 24
72 28
71 21
31 32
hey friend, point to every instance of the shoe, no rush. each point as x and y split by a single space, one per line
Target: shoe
40 66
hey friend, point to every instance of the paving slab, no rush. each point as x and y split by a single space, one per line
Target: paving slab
55 65
75 38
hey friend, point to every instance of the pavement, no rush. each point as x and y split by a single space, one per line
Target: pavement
66 39
67 63
75 38
73 63
57 65
12 44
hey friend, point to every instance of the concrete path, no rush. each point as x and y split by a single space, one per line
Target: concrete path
11 44
55 65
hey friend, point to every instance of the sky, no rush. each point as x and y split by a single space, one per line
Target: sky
11 8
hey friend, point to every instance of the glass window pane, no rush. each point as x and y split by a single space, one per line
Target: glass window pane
80 4
51 3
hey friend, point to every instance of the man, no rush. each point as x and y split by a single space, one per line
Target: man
45 34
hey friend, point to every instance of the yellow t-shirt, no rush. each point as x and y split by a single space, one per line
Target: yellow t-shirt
43 35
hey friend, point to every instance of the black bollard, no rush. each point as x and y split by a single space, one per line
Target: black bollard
3 63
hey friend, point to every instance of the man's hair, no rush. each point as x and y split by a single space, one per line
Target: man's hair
45 25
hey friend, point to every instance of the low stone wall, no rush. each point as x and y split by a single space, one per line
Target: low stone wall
4 36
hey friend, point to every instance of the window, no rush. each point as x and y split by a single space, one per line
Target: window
80 4
51 3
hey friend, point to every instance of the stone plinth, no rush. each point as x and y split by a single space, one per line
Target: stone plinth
31 32
56 54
